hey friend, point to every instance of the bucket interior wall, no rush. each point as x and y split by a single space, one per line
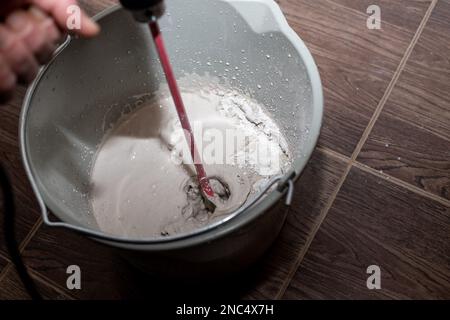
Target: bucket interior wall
89 84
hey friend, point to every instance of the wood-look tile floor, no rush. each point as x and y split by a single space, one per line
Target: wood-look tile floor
376 190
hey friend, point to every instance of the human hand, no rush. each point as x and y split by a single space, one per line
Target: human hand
29 33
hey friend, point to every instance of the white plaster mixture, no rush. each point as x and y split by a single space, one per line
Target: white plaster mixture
143 181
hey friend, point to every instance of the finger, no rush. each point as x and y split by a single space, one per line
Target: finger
46 26
8 79
60 10
17 55
25 28
37 31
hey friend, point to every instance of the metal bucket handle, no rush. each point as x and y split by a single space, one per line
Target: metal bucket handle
285 185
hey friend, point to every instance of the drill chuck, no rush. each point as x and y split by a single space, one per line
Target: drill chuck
144 10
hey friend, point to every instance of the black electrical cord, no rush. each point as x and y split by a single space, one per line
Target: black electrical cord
9 211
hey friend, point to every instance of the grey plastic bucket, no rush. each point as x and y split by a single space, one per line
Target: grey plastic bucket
88 86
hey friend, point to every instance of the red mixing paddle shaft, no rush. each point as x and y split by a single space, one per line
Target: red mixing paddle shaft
181 110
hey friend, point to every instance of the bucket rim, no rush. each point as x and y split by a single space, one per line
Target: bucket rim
224 227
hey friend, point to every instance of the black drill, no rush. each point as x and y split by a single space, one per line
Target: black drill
145 10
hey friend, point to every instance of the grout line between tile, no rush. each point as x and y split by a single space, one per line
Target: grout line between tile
5 271
22 246
313 233
392 179
49 283
391 85
6 268
402 183
37 278
333 153
30 234
355 153
35 274
4 257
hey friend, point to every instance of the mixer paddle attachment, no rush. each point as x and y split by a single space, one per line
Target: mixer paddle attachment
206 190
148 11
